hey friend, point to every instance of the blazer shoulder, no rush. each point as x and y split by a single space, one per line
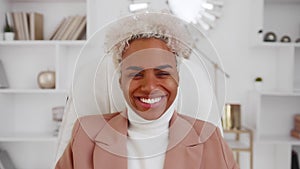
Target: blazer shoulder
92 124
204 129
214 143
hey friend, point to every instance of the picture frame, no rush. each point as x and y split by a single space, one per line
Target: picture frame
3 77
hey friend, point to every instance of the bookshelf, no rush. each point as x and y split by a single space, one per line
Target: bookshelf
270 113
242 142
272 117
26 123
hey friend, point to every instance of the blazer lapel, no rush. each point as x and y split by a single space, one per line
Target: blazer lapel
185 149
110 151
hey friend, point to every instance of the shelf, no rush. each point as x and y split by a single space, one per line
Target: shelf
278 139
276 93
43 42
239 131
48 0
27 137
238 145
283 1
32 91
280 44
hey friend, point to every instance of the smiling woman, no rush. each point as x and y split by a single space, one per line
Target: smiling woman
149 78
149 131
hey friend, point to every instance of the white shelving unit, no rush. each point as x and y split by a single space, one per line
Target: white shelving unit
272 119
270 113
26 126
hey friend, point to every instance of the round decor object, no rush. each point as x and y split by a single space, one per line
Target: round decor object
285 39
46 80
270 37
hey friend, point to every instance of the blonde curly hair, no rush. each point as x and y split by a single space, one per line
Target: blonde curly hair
165 27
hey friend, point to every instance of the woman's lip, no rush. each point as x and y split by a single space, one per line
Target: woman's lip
152 102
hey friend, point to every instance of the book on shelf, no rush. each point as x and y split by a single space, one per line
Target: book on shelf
3 78
28 25
294 133
295 160
297 125
297 117
62 29
70 28
25 25
36 26
54 34
5 161
80 31
17 25
73 25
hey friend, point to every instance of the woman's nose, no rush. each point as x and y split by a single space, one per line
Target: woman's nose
149 82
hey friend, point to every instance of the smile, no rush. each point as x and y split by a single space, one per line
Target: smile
151 101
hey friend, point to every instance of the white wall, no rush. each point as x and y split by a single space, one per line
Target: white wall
231 38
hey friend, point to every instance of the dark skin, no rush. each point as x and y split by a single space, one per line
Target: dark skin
149 80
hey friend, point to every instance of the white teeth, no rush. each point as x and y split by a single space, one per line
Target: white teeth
151 101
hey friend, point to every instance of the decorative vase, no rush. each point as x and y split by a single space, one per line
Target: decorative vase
270 37
232 117
46 79
9 36
258 86
285 39
57 116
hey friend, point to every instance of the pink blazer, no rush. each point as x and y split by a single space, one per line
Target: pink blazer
99 142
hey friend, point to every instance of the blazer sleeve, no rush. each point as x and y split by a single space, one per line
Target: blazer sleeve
227 153
66 160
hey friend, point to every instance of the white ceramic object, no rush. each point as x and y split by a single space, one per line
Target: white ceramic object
9 36
258 86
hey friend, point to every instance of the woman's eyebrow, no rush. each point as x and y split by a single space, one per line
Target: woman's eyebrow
134 68
137 68
163 67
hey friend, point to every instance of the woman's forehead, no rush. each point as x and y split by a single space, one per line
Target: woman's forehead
149 58
141 44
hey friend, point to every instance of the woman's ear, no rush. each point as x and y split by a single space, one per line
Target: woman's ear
120 82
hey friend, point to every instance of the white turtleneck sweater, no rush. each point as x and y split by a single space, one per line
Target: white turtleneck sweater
148 139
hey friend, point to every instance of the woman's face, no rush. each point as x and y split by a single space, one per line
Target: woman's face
149 77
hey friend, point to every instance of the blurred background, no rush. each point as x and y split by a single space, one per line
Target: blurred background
257 42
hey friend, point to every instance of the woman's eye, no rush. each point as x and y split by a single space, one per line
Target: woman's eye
135 75
163 74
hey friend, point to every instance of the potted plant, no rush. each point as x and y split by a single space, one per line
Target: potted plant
8 31
258 83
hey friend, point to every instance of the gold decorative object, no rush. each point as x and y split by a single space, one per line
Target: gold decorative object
46 79
231 117
236 147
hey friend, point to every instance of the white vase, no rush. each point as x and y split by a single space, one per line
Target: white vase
9 36
258 86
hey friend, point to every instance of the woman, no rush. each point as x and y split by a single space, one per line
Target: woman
149 133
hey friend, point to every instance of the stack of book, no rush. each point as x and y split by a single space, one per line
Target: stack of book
70 28
27 25
295 132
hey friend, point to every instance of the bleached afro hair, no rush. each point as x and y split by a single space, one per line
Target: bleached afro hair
165 27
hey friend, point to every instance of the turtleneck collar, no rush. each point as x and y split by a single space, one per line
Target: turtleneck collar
142 128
